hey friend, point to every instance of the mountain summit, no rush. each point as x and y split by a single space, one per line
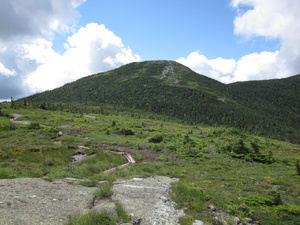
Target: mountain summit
270 108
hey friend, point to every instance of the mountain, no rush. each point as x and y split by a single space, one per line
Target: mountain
270 108
277 100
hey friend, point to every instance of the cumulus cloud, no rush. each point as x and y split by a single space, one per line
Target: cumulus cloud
28 61
21 24
263 65
6 72
219 68
91 49
21 18
261 18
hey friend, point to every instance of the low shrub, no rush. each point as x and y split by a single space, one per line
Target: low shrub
104 191
91 218
124 131
156 139
286 210
122 214
255 200
34 126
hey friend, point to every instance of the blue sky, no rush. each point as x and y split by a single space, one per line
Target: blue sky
45 44
167 29
172 29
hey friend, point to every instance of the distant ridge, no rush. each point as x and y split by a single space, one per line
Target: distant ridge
270 108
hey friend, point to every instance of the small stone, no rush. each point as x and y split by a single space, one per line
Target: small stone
212 208
248 220
70 180
237 220
277 188
32 196
137 179
198 222
101 183
165 199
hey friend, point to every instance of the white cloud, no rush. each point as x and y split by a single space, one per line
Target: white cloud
30 25
255 66
268 18
6 72
92 49
265 18
218 68
19 18
28 61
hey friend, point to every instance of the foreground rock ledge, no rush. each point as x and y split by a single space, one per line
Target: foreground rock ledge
148 200
36 201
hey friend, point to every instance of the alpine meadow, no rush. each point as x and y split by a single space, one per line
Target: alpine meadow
233 147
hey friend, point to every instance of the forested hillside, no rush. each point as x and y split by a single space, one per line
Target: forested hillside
269 108
277 100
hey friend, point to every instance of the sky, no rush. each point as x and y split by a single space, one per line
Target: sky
45 44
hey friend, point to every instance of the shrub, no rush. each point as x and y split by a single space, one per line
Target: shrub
34 126
156 139
287 210
297 166
91 218
138 157
5 174
104 191
238 149
255 200
122 214
124 131
189 196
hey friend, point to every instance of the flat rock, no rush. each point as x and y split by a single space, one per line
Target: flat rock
36 201
106 206
148 200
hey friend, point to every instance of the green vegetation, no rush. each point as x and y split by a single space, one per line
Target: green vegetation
176 123
238 173
94 218
104 191
91 217
266 108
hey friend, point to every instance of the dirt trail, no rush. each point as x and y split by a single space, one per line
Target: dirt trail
16 116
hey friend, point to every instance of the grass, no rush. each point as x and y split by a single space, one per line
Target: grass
104 191
91 218
240 174
104 218
94 218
